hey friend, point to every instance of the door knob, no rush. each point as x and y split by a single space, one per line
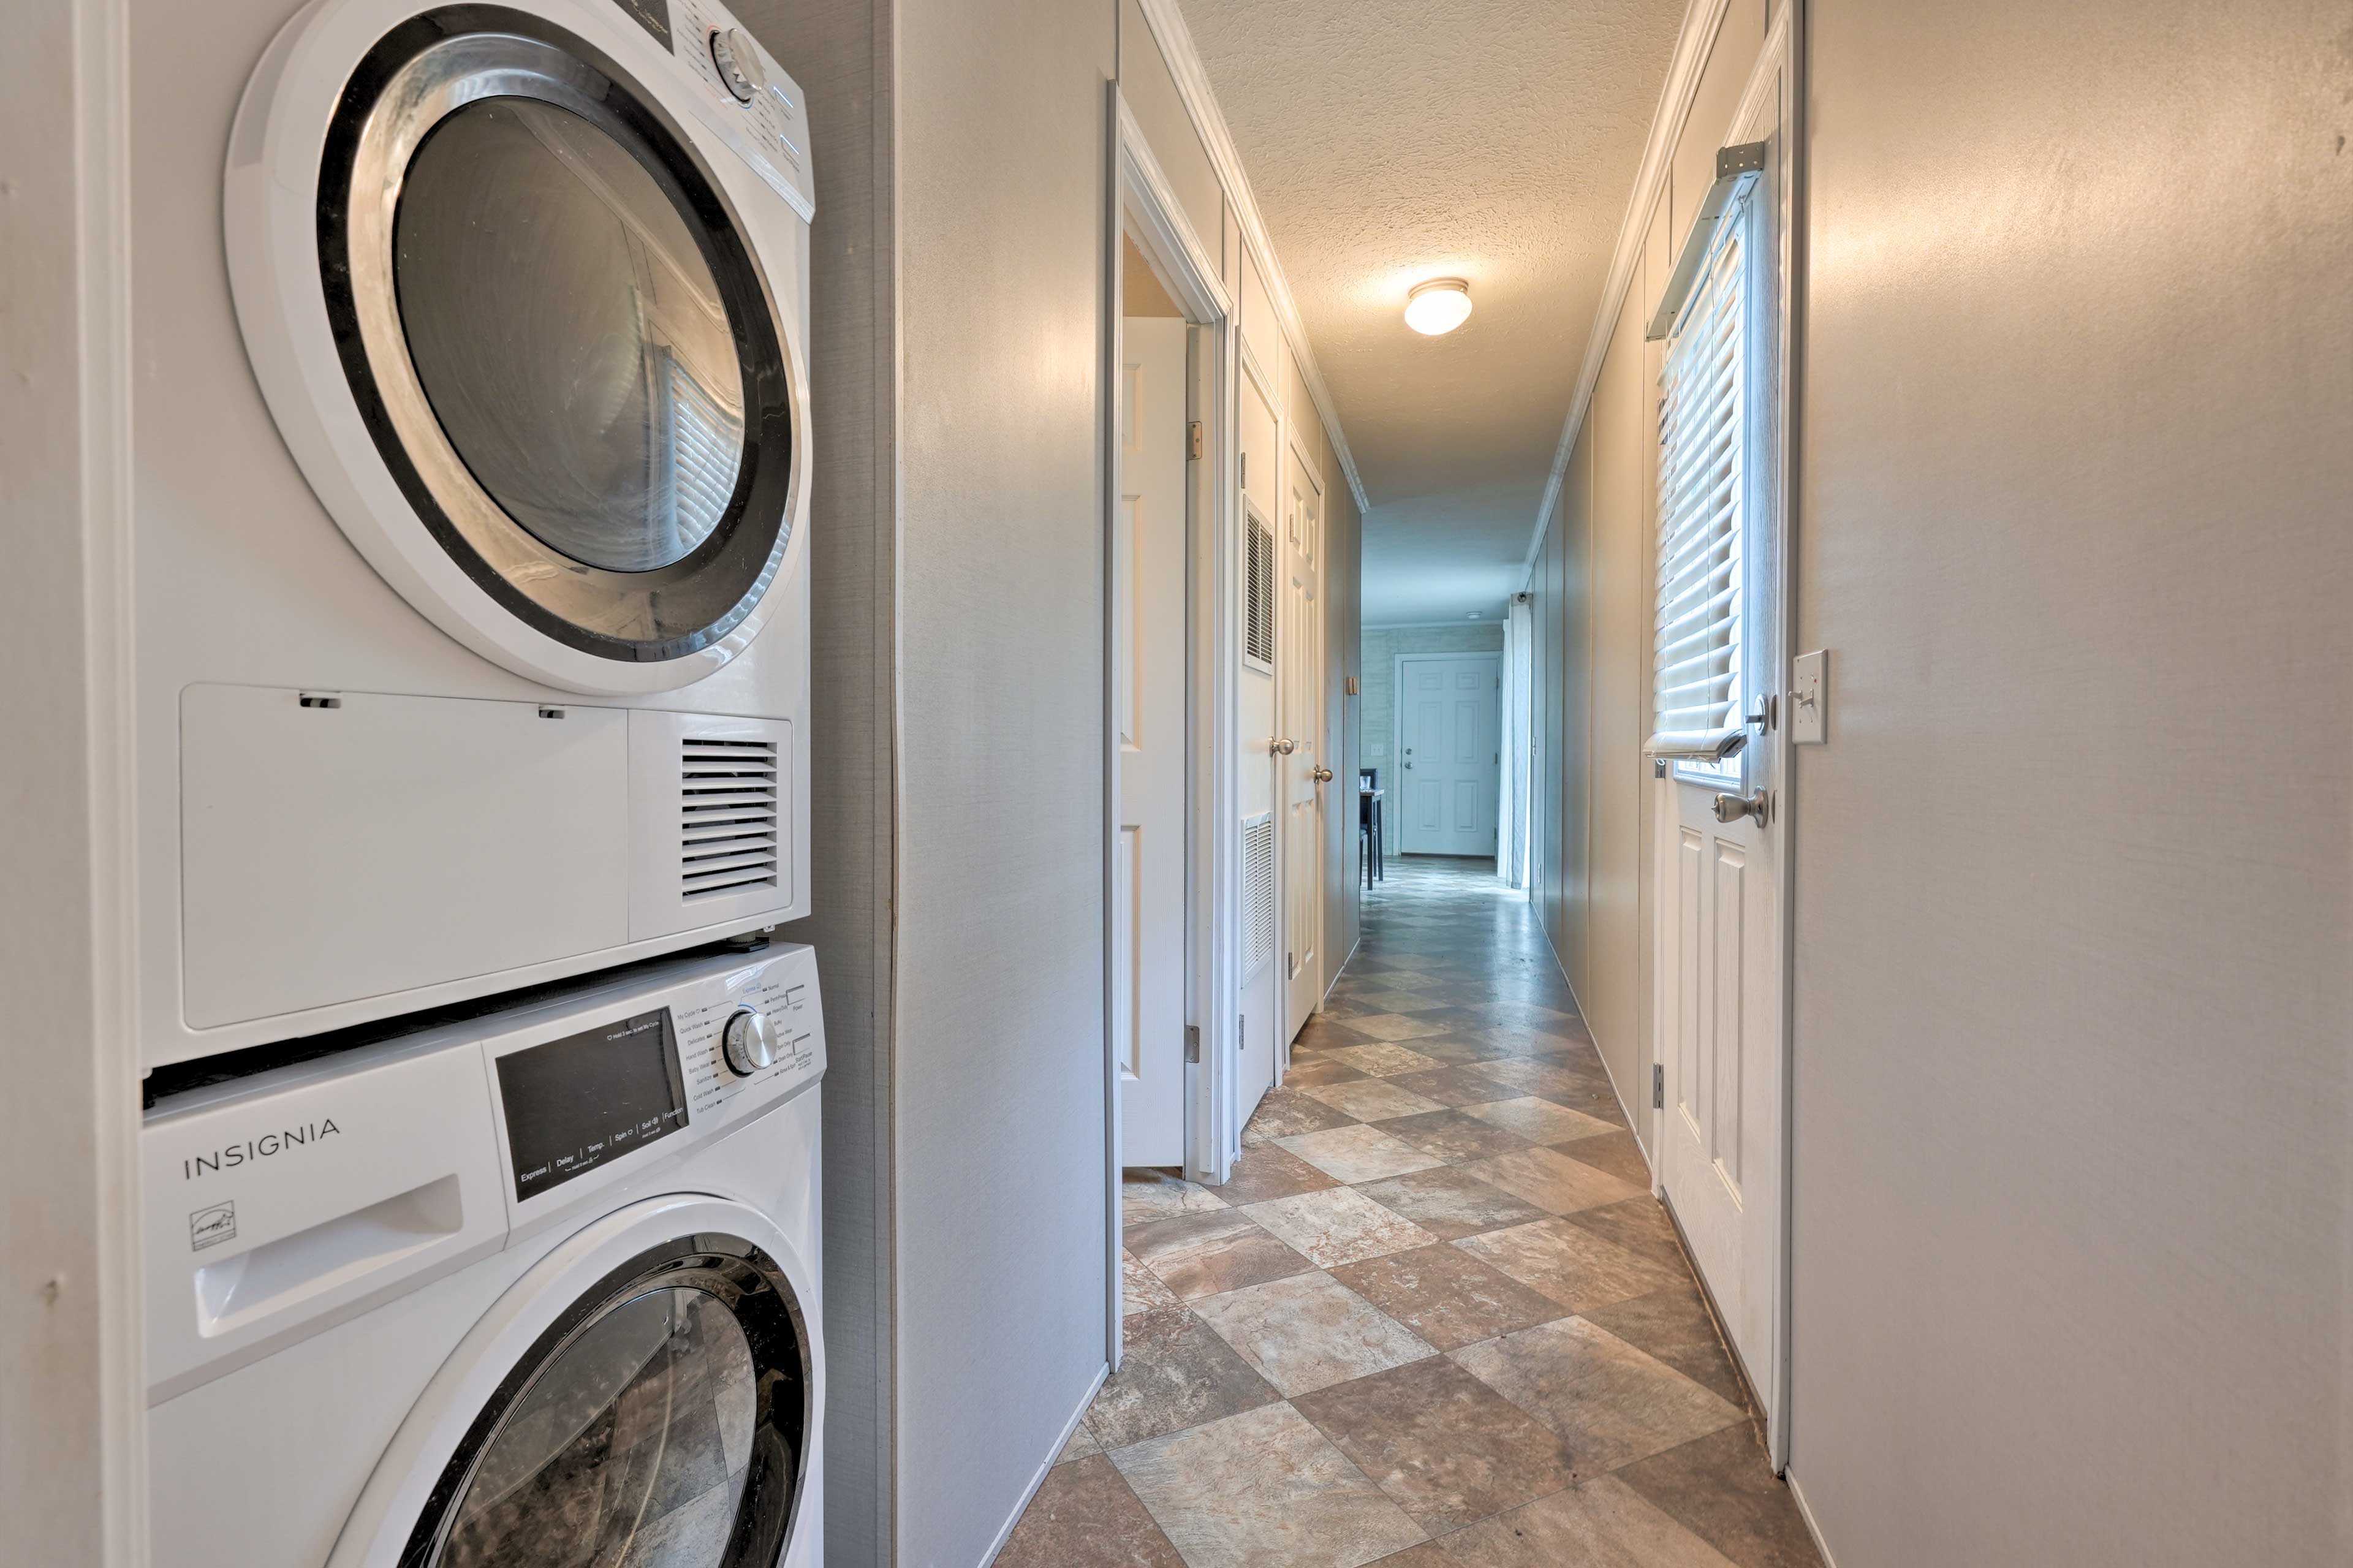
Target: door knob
1283 747
1322 775
1732 807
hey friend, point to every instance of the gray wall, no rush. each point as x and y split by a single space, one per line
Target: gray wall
2074 1141
839 52
1381 646
1002 156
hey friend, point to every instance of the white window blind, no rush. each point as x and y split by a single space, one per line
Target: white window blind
1702 481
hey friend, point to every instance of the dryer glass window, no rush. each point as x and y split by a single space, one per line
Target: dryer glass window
634 1446
569 334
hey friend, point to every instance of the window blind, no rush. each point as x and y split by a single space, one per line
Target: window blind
1703 451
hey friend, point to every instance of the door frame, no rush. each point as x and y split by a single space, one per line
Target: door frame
1143 207
1397 719
1772 85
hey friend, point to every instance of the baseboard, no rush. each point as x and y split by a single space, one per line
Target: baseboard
1805 1512
1342 969
1021 1506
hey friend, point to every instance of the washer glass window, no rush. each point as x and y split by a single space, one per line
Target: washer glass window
660 1425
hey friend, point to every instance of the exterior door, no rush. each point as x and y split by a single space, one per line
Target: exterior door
1148 573
1450 735
1719 868
1303 771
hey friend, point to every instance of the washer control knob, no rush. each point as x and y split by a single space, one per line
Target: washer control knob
732 52
748 1044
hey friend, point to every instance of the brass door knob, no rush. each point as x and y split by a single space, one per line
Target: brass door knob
1322 775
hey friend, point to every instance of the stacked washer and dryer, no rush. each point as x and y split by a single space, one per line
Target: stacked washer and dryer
481 1150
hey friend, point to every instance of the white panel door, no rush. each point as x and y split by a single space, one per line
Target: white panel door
1303 771
1450 740
1148 570
1257 723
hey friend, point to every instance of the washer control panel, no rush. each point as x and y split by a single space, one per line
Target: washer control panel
277 1203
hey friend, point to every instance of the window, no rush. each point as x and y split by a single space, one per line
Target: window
1703 437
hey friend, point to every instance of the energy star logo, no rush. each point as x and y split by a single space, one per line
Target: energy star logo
211 1227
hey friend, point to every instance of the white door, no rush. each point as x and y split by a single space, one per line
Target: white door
1303 772
1258 775
1148 574
1450 734
1719 893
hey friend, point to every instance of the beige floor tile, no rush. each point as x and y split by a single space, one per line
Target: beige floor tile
1451 1136
1539 1120
1142 1290
1173 1373
1203 1254
1283 1112
1447 1202
1086 1516
1612 1403
1360 1153
1385 1060
1371 1098
1264 1489
1341 1225
1552 1181
1450 1449
1723 1489
1604 1524
1309 1333
1571 1265
1446 1296
1263 1171
1395 1026
1149 1194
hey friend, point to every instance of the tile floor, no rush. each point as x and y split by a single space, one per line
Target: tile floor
1436 1319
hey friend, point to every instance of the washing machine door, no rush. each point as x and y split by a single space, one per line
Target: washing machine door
562 343
656 1415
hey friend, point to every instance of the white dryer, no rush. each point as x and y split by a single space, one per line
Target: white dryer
473 432
535 1289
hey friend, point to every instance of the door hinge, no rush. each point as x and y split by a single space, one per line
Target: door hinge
1291 963
1658 1086
1193 440
1192 1042
1245 481
1241 1033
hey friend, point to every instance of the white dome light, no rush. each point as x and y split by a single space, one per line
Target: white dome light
1437 306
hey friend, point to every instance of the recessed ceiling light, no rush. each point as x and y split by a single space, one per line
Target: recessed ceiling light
1437 306
1474 614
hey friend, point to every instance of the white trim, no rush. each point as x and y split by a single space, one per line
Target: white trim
1701 24
1805 1512
1428 625
1140 191
1175 41
1397 662
1021 1504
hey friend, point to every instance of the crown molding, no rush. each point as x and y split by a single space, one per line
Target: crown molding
1175 41
1701 22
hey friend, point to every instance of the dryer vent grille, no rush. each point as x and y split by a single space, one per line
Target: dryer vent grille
727 808
1257 892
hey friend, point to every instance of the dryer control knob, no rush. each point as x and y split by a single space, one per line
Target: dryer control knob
748 1044
739 63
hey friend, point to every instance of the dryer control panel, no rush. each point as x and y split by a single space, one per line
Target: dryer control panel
759 109
280 1204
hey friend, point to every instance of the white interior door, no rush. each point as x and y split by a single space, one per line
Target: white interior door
1719 882
1451 738
1258 727
1303 772
1148 574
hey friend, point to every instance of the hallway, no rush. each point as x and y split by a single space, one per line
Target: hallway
1435 1318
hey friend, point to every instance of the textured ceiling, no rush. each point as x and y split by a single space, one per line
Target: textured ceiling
1389 141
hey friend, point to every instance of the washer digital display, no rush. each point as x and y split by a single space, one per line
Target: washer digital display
579 1102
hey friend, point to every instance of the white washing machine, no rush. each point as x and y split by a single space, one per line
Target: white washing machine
471 432
536 1289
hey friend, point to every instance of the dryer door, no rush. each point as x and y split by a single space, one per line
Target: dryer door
563 345
660 1417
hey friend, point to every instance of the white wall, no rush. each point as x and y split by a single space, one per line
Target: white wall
2075 874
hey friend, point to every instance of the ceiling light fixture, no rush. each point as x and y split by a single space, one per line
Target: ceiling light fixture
1440 305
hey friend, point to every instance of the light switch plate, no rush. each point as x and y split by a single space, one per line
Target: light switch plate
1810 698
